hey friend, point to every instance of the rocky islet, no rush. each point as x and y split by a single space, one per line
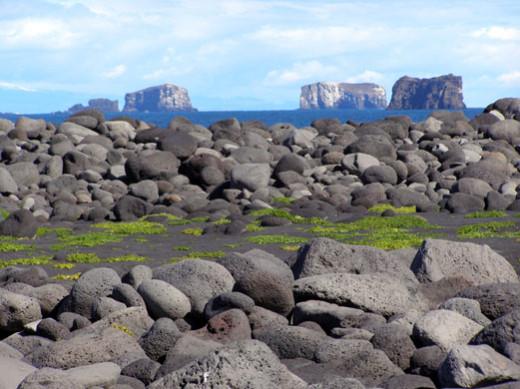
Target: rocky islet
336 315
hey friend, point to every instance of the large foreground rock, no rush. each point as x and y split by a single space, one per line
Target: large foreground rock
473 366
376 292
13 371
199 280
500 332
323 255
445 329
248 364
16 310
479 264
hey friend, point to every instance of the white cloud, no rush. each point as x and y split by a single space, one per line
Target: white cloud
512 78
13 86
498 33
38 33
115 72
367 76
300 71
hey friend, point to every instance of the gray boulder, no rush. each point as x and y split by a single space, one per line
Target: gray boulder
164 300
290 341
479 264
160 338
323 255
24 173
97 374
13 371
500 332
376 292
327 315
263 277
465 203
495 299
472 366
357 163
247 364
210 278
445 329
468 308
94 283
49 378
251 176
395 341
16 310
7 183
20 223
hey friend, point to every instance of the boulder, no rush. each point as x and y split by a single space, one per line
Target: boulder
472 366
394 340
500 332
160 338
251 176
375 292
445 329
357 163
7 183
164 300
242 364
468 308
20 223
181 144
495 299
13 371
226 301
131 208
378 146
323 255
465 203
17 310
263 277
211 279
479 264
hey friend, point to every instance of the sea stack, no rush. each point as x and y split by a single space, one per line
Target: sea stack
326 95
101 104
443 92
161 98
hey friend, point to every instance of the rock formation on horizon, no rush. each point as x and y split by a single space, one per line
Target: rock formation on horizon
443 92
323 95
103 105
161 98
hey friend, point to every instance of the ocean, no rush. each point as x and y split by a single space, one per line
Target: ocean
299 118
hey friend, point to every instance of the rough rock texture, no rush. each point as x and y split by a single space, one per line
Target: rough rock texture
479 264
444 92
248 364
162 98
472 366
342 95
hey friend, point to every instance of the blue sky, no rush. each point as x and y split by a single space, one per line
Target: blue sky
248 54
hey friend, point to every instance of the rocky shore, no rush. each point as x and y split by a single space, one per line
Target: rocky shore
328 314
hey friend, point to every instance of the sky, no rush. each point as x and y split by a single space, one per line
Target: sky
249 54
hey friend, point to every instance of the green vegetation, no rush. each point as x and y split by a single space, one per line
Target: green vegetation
283 200
488 230
485 214
4 214
193 231
388 233
222 221
32 261
205 254
254 227
199 219
278 212
380 208
94 258
64 266
59 231
12 247
131 228
277 239
182 248
67 277
89 239
123 329
232 245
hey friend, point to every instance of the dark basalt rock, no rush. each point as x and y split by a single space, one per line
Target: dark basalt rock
444 92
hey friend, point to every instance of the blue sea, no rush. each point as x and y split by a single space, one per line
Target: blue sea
299 118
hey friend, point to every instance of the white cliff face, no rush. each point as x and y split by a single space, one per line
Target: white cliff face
342 95
162 98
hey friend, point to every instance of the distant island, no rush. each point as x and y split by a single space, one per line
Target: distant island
443 92
100 104
326 95
161 98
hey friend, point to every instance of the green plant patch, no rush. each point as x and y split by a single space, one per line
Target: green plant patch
64 266
92 258
380 208
232 245
89 239
277 239
123 329
143 227
204 254
193 231
126 258
13 247
67 277
175 260
254 227
182 248
290 247
284 200
391 239
485 214
222 221
495 229
59 231
32 261
199 219
278 212
4 214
